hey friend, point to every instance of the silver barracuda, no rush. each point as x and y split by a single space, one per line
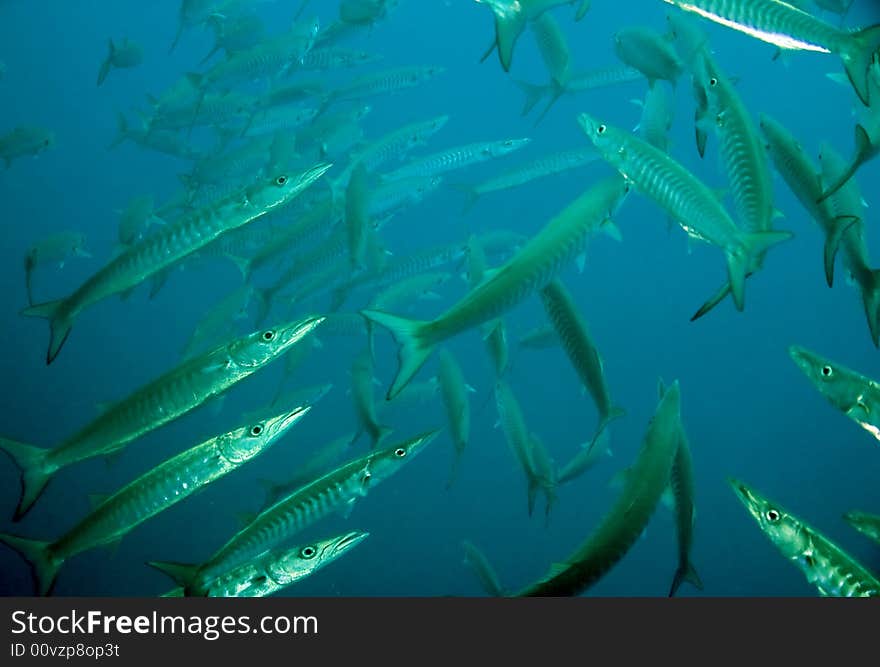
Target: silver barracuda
581 350
274 569
454 392
531 268
790 28
336 490
687 199
625 522
151 493
867 524
853 394
166 398
823 563
169 245
456 158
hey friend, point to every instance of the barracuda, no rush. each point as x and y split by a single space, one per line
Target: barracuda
823 563
548 165
337 490
169 245
516 433
170 396
151 493
456 158
581 350
855 395
790 28
454 392
532 267
742 153
622 525
867 524
684 494
271 571
687 199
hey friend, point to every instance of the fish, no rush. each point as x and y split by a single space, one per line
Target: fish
362 394
547 165
867 524
684 197
845 217
853 394
169 396
533 266
480 565
338 489
588 455
801 175
789 28
518 438
684 493
170 244
235 33
867 141
657 116
581 350
357 221
824 564
137 217
456 158
215 325
646 50
273 570
512 17
555 54
55 249
153 492
364 12
540 338
578 82
619 529
545 473
124 55
454 391
742 153
25 140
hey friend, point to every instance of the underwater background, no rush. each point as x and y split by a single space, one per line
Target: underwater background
748 411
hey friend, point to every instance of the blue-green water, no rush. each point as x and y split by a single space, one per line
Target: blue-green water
747 409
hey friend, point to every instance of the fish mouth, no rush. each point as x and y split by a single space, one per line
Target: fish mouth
746 496
348 541
801 357
293 416
296 331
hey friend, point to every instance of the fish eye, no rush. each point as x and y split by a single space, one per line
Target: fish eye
308 552
827 371
281 180
601 129
713 82
268 335
400 452
256 430
772 515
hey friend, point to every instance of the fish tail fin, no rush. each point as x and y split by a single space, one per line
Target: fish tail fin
858 56
532 493
614 413
839 225
713 301
508 28
38 554
739 264
35 474
183 574
453 472
871 301
243 264
554 98
863 146
414 349
59 324
105 66
686 573
533 94
176 37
